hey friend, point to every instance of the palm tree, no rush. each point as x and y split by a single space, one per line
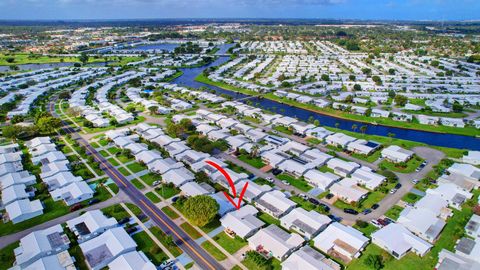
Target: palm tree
363 129
391 135
337 125
153 109
354 127
254 152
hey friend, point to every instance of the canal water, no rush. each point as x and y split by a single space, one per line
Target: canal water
432 138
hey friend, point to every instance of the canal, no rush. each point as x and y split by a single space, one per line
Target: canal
432 138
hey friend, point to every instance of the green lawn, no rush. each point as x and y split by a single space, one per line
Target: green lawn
7 256
190 230
137 184
411 198
262 181
94 145
255 162
164 239
113 161
298 183
104 153
146 244
231 245
411 165
150 177
154 198
372 198
136 167
368 230
167 191
80 261
169 212
211 226
124 159
370 158
283 129
272 264
124 171
267 218
114 150
394 212
214 251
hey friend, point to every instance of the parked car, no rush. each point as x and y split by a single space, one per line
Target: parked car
270 179
276 171
375 206
329 196
123 220
131 230
398 185
93 201
174 199
367 211
156 183
388 220
393 190
75 207
350 211
285 182
375 223
415 181
335 218
314 201
382 222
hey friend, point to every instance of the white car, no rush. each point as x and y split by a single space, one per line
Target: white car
286 183
393 191
415 181
270 179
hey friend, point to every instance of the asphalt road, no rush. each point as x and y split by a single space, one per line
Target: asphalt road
180 237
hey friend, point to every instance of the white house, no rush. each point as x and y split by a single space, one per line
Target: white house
453 194
275 203
21 210
339 139
178 177
275 242
466 170
322 180
254 190
242 222
343 242
422 222
398 241
133 260
308 258
90 224
103 249
473 226
342 167
396 154
347 190
191 189
365 176
306 223
73 193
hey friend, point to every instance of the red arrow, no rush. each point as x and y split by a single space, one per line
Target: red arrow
232 185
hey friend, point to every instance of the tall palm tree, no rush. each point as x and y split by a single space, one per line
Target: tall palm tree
354 127
363 129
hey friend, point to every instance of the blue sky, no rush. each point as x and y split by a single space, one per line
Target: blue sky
338 9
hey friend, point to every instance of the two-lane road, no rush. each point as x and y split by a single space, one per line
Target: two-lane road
181 238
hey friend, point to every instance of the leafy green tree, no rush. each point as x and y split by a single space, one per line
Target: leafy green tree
316 123
48 124
83 57
200 210
153 110
374 261
457 107
401 100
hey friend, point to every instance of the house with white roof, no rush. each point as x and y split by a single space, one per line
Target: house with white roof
178 177
472 157
435 204
339 139
242 222
219 178
61 180
133 260
306 223
16 178
451 261
207 168
90 225
453 194
422 222
149 156
162 166
105 248
293 167
396 154
472 228
13 193
340 241
39 244
308 258
295 148
366 177
21 210
342 167
315 156
322 180
9 148
347 190
191 189
275 203
363 147
256 135
254 190
164 140
59 261
73 193
54 168
176 148
302 127
191 156
237 141
468 248
274 157
319 133
398 241
466 170
272 241
285 121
